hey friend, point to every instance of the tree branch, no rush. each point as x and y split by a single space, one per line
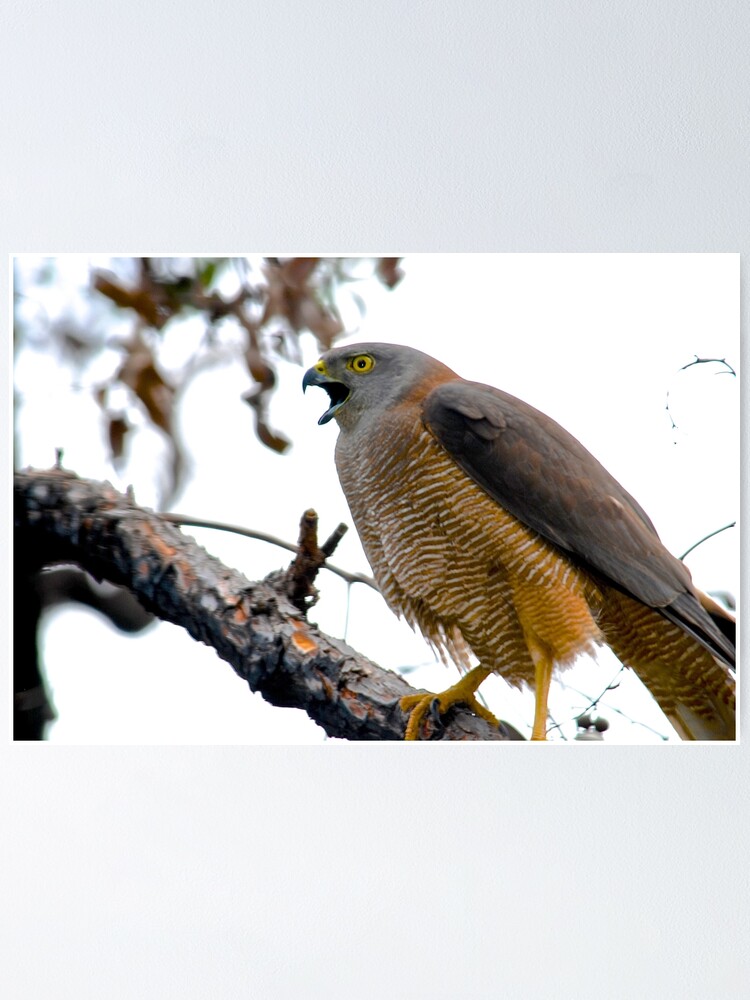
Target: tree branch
254 626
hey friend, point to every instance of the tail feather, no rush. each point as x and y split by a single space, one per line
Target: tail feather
724 620
696 727
692 616
689 677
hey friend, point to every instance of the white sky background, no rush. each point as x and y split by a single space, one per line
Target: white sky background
596 341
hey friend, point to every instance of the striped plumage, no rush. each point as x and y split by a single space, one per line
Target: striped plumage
471 575
453 563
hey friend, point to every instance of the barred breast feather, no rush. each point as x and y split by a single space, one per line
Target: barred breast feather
455 564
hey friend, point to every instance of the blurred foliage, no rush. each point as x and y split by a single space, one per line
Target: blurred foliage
269 301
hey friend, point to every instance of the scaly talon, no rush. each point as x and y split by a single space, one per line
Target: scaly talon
463 692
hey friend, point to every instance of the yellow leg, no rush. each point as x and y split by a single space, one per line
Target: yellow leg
543 665
464 691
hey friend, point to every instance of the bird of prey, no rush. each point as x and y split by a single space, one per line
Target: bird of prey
495 532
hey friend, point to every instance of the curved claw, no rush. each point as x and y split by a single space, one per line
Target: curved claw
419 705
435 719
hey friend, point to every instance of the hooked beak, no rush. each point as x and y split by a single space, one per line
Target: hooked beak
337 391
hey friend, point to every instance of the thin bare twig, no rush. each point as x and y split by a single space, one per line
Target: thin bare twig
261 536
610 708
610 687
705 538
708 361
555 725
728 370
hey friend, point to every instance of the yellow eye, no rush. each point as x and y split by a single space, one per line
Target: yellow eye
360 363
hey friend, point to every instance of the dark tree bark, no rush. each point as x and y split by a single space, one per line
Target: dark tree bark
254 626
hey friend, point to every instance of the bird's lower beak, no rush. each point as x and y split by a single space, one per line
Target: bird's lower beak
337 391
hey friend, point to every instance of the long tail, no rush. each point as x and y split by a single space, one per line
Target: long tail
724 620
693 687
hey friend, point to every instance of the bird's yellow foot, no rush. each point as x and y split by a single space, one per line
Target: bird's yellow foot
418 705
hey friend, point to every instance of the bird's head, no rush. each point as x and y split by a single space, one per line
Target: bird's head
372 377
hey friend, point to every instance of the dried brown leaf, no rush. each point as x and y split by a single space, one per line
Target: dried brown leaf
296 272
117 430
389 271
310 315
138 299
139 373
276 442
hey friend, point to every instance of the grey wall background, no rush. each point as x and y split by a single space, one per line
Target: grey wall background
374 871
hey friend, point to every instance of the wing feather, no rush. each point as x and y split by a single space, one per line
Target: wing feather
544 476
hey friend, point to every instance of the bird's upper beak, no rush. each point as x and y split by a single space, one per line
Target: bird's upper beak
337 391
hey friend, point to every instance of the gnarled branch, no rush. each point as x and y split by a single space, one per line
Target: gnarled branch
254 626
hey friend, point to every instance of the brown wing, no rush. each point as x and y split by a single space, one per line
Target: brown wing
543 476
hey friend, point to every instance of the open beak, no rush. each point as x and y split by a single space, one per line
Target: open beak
337 391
